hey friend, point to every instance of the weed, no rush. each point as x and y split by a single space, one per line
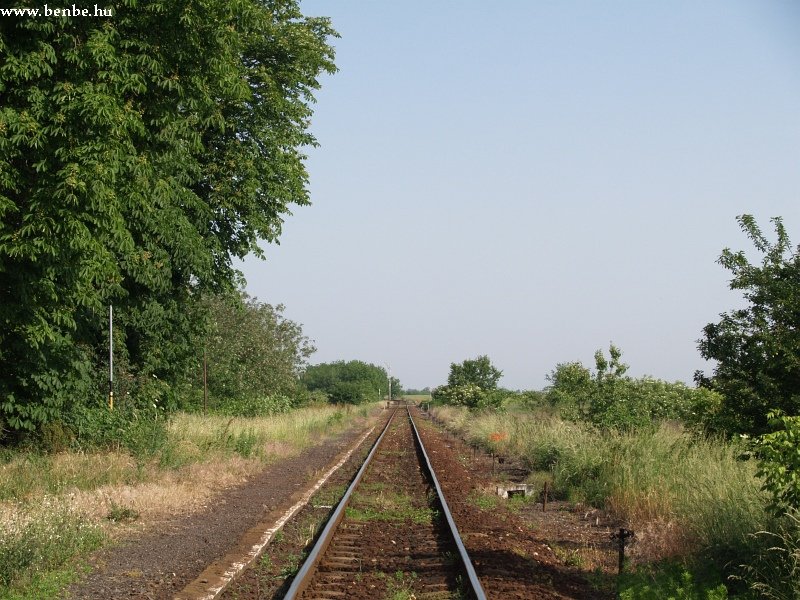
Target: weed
774 570
518 502
569 557
484 501
669 580
400 586
383 506
685 493
121 514
292 565
43 542
328 496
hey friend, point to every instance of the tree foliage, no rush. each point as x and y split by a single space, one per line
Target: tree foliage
138 155
476 371
253 350
351 382
757 348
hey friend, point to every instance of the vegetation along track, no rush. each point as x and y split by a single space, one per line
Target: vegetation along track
392 533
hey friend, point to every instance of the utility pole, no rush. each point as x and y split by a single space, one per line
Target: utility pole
205 382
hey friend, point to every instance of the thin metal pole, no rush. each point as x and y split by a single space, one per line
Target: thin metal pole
110 357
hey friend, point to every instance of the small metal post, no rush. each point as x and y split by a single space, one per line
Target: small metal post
623 536
544 498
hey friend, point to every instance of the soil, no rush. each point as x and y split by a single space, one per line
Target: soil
519 551
565 552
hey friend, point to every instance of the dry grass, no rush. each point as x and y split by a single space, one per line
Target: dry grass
167 493
204 456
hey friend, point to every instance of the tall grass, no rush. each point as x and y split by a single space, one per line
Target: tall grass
190 439
197 435
680 492
774 571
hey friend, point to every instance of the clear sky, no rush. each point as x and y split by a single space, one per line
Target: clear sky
532 180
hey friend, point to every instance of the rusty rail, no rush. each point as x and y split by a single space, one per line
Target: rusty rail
304 576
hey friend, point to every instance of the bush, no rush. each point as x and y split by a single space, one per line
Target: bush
611 400
468 394
264 406
779 462
142 432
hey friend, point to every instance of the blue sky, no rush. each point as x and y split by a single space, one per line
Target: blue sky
533 180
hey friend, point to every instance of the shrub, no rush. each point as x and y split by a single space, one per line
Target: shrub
143 432
779 462
264 406
610 399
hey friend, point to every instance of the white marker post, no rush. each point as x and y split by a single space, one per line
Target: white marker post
110 357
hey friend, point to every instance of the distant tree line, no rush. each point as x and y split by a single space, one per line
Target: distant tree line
352 382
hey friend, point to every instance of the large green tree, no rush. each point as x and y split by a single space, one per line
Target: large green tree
471 383
252 349
476 371
757 348
139 154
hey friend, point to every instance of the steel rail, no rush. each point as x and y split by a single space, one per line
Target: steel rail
303 577
477 588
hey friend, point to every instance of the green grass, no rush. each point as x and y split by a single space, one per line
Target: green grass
670 581
484 501
686 495
328 496
191 439
400 586
37 550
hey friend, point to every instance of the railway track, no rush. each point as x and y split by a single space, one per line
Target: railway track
392 532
